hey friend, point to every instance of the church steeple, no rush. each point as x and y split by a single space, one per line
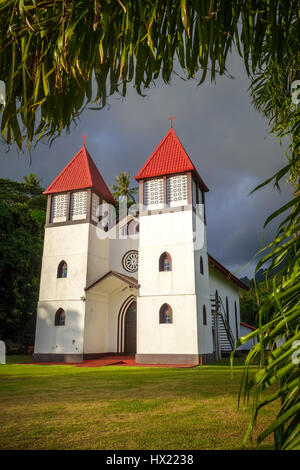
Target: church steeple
169 178
77 191
80 173
173 271
169 157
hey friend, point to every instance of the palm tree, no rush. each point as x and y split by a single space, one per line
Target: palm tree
33 183
121 188
28 192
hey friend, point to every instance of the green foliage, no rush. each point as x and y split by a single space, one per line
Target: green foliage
258 291
51 51
248 302
21 244
278 320
28 192
122 188
279 311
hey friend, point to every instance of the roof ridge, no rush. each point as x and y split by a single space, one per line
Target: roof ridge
81 173
63 171
92 165
182 147
87 163
155 151
169 157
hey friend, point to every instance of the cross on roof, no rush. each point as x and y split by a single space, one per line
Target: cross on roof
171 119
84 137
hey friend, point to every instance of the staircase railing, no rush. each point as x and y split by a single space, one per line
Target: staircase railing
227 325
217 309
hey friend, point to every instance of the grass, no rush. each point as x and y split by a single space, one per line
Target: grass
18 359
67 407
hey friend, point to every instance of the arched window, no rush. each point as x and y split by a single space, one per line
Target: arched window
60 317
165 262
62 270
227 309
204 316
201 265
165 314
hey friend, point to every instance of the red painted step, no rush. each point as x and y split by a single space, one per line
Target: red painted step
113 360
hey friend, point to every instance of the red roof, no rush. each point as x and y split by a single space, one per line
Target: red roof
80 173
248 326
169 157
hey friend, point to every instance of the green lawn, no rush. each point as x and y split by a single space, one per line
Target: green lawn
67 407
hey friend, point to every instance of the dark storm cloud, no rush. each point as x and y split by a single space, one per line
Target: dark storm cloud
222 133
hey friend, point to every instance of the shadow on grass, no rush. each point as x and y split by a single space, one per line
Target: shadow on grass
18 359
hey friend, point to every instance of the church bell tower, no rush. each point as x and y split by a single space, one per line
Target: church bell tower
173 306
72 259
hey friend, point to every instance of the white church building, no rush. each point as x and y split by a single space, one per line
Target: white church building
144 285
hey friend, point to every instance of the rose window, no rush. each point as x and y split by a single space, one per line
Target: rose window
131 261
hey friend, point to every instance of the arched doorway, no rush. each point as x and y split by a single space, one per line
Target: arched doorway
130 329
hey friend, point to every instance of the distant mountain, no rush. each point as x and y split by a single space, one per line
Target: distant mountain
261 275
246 280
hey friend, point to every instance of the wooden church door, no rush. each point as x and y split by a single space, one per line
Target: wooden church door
130 329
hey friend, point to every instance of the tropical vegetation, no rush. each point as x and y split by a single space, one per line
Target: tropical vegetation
279 309
121 189
57 57
22 219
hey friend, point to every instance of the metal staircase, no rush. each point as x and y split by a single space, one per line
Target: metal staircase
222 334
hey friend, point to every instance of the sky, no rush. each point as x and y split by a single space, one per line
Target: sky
226 139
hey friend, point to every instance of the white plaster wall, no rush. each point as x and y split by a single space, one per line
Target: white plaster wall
60 339
98 256
91 326
117 249
172 227
96 324
205 340
171 232
69 243
226 287
173 338
106 254
244 330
